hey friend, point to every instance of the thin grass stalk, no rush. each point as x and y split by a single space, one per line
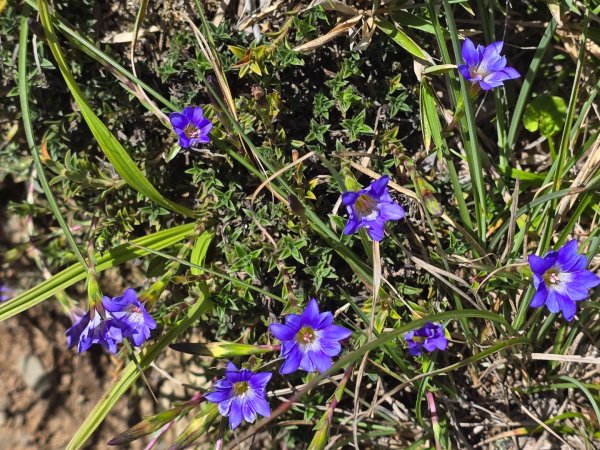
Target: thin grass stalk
470 136
24 98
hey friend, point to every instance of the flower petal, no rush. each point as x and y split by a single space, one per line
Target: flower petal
567 306
259 380
335 333
218 396
261 406
391 211
552 302
320 360
585 278
310 315
178 120
465 72
306 363
198 116
352 226
325 319
292 361
540 265
567 255
294 321
225 406
248 410
469 53
375 229
349 198
282 332
378 187
330 348
539 298
235 414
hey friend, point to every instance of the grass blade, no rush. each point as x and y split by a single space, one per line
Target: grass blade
111 147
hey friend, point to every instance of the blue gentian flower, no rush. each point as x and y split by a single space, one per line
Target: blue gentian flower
241 395
135 322
371 208
428 337
561 279
110 321
99 329
485 65
310 340
191 126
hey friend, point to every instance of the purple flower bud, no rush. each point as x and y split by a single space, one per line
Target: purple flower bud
485 65
191 126
241 395
310 340
561 279
371 208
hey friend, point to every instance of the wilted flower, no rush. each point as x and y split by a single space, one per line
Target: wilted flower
241 395
132 317
371 207
560 280
485 65
191 126
310 340
109 321
428 337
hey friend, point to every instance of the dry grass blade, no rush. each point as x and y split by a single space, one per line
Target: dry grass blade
545 427
336 31
566 358
275 175
376 285
215 63
334 5
138 89
394 186
589 169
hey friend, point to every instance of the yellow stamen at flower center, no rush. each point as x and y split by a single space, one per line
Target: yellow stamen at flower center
306 335
418 339
240 388
366 206
191 131
552 276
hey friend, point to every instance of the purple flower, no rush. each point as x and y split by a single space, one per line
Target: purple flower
101 330
371 208
131 316
241 395
310 340
560 280
428 337
4 293
95 327
110 321
485 65
191 126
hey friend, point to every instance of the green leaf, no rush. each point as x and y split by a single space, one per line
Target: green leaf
111 147
545 113
112 258
402 39
199 251
130 373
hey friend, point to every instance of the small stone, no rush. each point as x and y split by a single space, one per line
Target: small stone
34 375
